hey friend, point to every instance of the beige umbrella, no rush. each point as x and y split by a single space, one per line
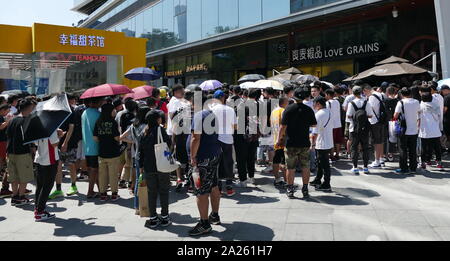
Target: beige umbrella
393 66
284 77
263 84
292 70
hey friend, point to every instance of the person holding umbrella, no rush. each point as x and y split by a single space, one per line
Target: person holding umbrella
88 120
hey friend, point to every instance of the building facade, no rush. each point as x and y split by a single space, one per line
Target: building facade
193 40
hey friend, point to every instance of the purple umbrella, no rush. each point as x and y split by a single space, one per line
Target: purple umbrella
210 85
142 74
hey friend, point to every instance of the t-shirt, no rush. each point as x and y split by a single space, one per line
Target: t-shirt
226 119
65 127
162 107
126 120
412 108
209 142
77 134
46 154
2 132
324 130
359 102
106 131
430 119
15 136
275 120
447 104
347 101
335 113
180 109
391 103
88 120
298 118
438 99
376 106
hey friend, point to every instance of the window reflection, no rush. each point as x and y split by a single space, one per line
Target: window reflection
275 9
194 20
210 19
249 12
228 15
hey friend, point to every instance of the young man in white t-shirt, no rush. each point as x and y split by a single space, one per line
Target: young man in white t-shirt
409 108
322 142
335 108
378 128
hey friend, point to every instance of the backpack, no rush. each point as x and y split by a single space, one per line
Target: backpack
400 124
383 116
360 119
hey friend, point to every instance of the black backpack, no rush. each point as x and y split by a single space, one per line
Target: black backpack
360 120
383 116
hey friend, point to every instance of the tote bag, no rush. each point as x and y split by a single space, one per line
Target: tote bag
143 200
165 163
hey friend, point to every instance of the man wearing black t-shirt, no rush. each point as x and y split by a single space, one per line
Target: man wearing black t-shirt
297 120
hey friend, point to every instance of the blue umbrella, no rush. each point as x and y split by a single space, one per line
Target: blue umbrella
142 74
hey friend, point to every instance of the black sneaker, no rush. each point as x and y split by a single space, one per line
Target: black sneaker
215 220
200 229
290 192
324 187
15 200
305 193
279 184
152 223
315 183
165 221
179 186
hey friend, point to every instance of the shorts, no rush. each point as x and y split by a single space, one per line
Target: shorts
279 158
338 138
267 148
379 133
295 156
20 168
80 151
209 175
180 150
69 157
92 162
3 145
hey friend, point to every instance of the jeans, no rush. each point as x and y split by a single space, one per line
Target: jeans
323 166
245 157
428 145
407 146
44 183
158 184
363 139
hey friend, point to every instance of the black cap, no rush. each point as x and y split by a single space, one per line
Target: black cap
117 102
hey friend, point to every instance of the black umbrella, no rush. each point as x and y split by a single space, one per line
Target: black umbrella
251 78
46 119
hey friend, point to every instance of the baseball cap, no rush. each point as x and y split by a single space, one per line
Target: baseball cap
357 90
445 87
218 94
162 93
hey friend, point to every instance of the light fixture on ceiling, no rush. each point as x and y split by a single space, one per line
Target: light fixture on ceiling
394 12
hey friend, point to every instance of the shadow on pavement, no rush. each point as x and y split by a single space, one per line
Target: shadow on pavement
251 199
2 201
79 227
2 219
51 207
356 192
434 175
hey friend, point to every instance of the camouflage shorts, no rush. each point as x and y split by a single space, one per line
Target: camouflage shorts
297 155
69 157
209 175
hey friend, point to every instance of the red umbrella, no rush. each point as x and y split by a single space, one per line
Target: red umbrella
140 93
105 90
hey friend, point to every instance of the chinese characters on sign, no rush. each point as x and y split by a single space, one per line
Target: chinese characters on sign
314 53
174 73
82 40
197 68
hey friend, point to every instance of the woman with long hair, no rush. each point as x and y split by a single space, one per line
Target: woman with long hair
157 183
106 133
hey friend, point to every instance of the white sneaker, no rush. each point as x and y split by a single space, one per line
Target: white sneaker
355 171
375 165
252 181
242 184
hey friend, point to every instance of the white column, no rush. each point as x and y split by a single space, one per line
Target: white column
443 25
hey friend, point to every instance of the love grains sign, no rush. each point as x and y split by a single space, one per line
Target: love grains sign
317 52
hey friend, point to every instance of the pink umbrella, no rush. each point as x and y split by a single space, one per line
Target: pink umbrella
140 93
105 90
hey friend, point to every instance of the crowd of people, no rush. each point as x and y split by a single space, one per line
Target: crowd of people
303 129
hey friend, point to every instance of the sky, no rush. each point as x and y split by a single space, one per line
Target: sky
27 12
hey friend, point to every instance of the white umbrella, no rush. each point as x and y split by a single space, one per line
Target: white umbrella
248 85
443 82
263 84
329 84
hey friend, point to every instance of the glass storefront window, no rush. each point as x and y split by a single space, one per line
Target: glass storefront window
140 25
180 20
168 36
228 15
157 33
249 12
300 5
210 19
15 72
194 20
275 9
148 28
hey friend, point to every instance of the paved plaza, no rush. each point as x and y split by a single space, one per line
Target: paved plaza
378 206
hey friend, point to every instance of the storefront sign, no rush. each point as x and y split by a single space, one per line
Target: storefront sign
317 52
82 40
197 68
173 73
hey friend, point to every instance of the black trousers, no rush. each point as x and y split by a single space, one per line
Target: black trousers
226 165
363 139
323 166
245 157
428 145
158 184
45 179
408 150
